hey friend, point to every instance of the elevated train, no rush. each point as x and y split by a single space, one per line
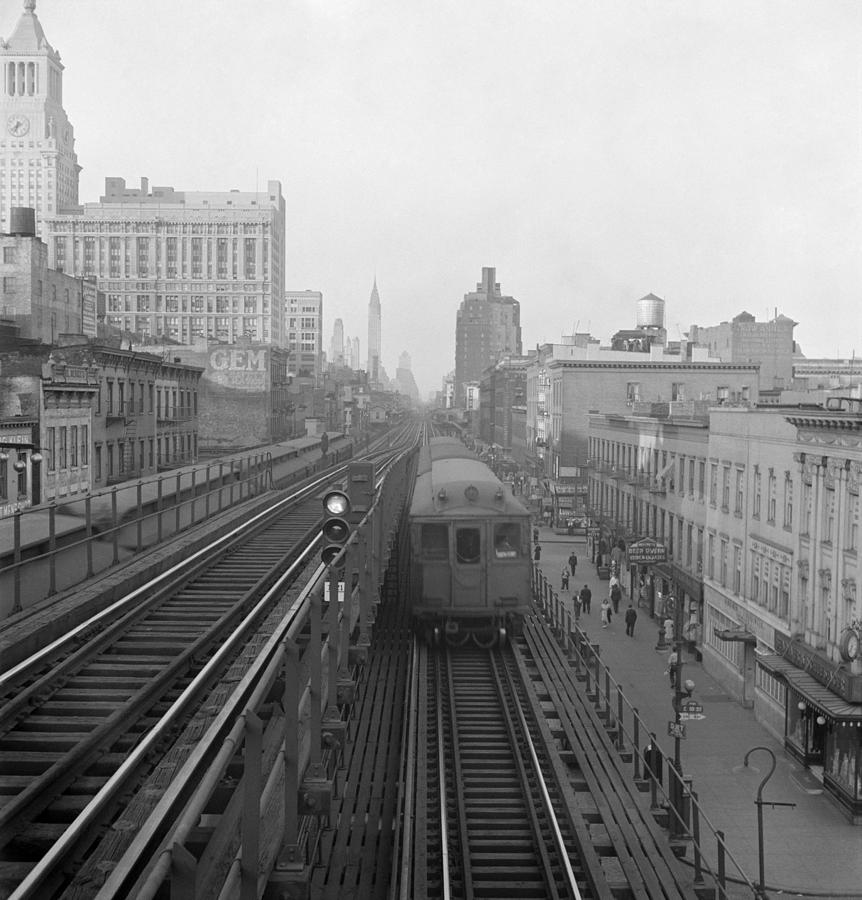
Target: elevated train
470 561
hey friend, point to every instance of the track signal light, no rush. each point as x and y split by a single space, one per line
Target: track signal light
336 525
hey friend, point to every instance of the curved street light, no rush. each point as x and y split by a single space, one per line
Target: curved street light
761 885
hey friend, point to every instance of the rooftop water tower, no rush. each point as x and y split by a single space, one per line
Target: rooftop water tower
650 312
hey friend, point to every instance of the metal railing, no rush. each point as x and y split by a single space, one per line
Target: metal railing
690 825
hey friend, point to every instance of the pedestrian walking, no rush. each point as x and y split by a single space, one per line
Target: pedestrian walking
616 596
672 663
606 612
564 579
631 618
653 759
586 596
535 534
577 599
573 563
537 552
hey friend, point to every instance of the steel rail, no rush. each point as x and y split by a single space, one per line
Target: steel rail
44 654
86 819
546 797
404 835
249 693
441 780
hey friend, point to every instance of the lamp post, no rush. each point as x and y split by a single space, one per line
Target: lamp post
761 881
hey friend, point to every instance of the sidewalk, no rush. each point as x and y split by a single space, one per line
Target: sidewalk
809 850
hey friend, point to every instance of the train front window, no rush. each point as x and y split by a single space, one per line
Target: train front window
507 540
467 545
435 541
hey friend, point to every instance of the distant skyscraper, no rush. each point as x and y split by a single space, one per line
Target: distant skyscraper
488 325
304 320
404 380
374 334
355 354
37 151
336 349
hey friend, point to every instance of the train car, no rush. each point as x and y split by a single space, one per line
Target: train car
469 548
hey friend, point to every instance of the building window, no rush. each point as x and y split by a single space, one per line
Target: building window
788 501
85 445
701 479
725 489
50 449
722 574
73 446
4 479
633 392
828 516
853 522
98 462
737 569
756 512
713 484
770 509
737 509
62 460
677 390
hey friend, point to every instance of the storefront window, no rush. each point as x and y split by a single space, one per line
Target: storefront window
842 758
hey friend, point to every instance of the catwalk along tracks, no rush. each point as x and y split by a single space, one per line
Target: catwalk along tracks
83 722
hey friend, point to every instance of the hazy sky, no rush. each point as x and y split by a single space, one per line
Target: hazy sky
593 152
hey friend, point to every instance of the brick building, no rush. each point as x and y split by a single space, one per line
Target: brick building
245 395
42 302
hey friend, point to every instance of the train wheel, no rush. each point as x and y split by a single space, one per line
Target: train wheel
456 639
486 644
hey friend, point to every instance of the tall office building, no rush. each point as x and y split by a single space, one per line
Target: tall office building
336 347
488 325
374 335
38 165
304 327
180 265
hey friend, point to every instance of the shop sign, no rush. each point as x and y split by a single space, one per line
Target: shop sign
845 685
647 550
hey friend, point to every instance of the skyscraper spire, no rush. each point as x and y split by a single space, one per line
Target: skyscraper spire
374 334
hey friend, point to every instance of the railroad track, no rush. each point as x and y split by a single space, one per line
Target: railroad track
500 833
82 723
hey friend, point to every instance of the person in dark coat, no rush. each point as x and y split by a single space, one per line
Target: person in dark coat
586 596
573 563
653 759
537 552
631 618
616 596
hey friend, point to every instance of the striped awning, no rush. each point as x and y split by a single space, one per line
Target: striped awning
810 689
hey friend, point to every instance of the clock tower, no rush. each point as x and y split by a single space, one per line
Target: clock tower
38 165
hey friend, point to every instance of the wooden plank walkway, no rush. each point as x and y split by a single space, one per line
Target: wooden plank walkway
357 848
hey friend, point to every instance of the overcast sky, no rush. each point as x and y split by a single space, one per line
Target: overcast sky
593 152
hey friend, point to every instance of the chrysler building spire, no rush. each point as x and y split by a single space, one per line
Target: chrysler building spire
374 335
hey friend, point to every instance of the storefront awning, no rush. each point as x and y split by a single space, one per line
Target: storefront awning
810 689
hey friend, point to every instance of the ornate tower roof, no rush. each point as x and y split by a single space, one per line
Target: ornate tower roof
28 36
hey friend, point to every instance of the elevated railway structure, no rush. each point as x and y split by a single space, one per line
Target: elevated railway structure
252 723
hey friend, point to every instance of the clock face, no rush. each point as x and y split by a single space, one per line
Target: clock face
848 646
18 125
